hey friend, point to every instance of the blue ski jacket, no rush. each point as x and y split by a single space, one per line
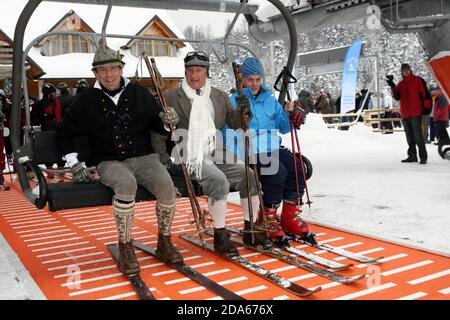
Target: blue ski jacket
268 119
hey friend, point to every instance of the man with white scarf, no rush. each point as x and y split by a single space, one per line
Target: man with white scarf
203 110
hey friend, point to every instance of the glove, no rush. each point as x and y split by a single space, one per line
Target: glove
244 106
81 174
298 117
173 169
169 117
390 80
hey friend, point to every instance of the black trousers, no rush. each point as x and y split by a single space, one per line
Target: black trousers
413 132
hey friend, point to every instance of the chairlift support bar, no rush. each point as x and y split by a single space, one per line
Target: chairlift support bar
227 6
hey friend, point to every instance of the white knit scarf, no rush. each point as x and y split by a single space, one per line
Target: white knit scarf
202 131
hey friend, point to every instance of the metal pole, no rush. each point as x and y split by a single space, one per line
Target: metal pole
292 40
105 23
17 74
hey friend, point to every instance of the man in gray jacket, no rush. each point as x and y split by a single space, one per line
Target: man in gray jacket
203 111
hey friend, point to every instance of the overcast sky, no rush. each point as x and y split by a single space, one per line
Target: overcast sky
217 20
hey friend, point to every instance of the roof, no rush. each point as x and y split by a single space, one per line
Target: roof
6 69
122 20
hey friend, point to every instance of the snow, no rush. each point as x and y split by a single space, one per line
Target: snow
123 20
360 184
80 65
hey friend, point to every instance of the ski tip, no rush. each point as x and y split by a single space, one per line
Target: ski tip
343 267
301 291
314 290
359 277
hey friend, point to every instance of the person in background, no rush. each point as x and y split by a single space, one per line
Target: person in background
305 101
65 96
440 113
411 91
323 105
82 85
48 112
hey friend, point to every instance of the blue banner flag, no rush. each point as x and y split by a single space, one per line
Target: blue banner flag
349 76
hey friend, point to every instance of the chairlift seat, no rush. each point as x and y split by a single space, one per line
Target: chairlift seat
69 195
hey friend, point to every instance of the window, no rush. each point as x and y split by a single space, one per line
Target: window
62 44
79 44
152 48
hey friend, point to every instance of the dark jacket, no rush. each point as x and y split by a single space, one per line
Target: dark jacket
48 113
66 99
114 132
305 101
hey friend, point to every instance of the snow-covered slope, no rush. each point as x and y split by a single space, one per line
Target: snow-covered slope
360 184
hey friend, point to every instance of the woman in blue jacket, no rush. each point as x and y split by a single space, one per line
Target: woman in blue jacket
275 164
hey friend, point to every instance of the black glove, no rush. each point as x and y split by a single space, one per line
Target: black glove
244 106
81 174
174 169
390 80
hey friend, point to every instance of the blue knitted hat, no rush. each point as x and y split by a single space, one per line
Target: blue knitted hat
251 66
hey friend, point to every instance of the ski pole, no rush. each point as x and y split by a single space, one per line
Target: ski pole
295 160
303 169
237 69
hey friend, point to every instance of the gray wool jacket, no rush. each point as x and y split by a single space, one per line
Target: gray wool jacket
177 99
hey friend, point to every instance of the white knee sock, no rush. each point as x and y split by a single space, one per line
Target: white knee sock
218 211
255 208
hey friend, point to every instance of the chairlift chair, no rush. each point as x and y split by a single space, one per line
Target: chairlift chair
40 147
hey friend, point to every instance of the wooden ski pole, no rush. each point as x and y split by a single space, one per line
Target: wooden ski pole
248 154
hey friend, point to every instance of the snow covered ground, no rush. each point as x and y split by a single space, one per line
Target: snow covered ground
360 184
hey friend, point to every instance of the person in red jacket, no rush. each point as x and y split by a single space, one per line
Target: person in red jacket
415 100
440 113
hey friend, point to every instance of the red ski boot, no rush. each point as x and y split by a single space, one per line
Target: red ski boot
276 233
291 221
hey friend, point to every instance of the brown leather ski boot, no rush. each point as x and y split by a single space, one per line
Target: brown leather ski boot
128 263
166 251
222 243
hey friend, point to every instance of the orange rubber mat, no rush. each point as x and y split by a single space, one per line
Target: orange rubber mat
66 255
